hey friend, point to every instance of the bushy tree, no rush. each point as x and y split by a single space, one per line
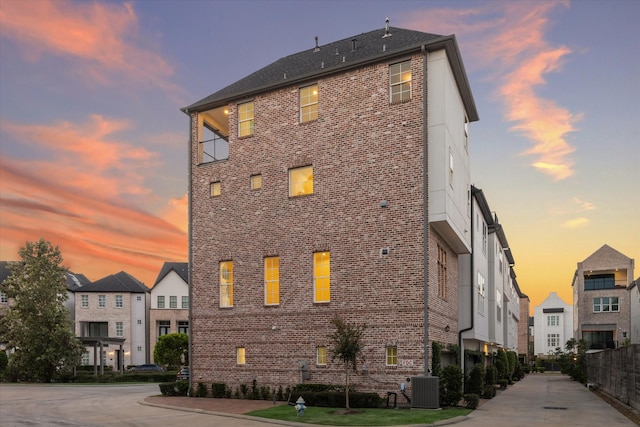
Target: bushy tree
476 380
436 358
37 325
451 385
346 341
502 364
172 350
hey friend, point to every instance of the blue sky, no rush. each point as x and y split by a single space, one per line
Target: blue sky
93 146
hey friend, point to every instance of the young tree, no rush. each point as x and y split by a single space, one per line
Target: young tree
37 324
172 350
347 347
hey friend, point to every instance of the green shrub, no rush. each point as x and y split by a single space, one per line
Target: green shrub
491 375
503 384
471 400
201 391
244 390
168 389
475 385
451 385
489 392
541 369
280 394
182 387
218 390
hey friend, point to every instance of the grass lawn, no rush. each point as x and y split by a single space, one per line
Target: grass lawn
366 417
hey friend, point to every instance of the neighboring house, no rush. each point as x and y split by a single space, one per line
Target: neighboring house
169 311
601 300
489 309
310 198
553 325
112 319
634 299
524 334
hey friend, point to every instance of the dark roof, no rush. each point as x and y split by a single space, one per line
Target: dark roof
4 270
119 282
74 280
339 56
182 268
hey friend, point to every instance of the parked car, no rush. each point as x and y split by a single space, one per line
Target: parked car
183 374
147 367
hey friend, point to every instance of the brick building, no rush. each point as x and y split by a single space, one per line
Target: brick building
334 181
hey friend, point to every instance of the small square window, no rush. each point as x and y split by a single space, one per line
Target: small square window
214 188
139 322
301 181
392 355
321 356
256 182
240 356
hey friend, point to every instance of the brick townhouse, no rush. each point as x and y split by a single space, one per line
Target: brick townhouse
334 181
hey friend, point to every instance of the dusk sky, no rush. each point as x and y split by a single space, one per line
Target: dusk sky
93 145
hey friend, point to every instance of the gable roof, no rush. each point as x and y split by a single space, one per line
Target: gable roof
606 251
181 268
339 56
74 281
119 282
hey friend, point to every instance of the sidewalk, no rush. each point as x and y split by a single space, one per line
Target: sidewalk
549 400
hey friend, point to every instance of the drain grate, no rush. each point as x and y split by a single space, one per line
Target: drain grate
555 407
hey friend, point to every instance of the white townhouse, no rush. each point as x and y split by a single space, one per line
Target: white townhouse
553 325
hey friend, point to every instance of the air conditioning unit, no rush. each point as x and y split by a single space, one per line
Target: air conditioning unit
425 392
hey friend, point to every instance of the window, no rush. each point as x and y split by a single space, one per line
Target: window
138 298
392 355
185 302
301 181
309 103
322 276
498 306
226 284
119 329
213 144
240 356
599 281
553 340
84 301
85 358
164 327
442 272
466 133
484 237
214 189
5 299
160 301
400 81
272 280
606 304
173 301
245 119
183 326
481 293
321 356
500 264
256 182
139 322
118 301
553 320
450 168
139 348
102 301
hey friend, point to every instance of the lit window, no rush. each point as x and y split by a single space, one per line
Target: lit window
240 356
392 355
322 276
256 182
85 301
272 280
160 301
309 103
226 284
301 181
119 329
118 301
214 188
102 301
321 356
213 143
245 119
400 81
173 301
185 302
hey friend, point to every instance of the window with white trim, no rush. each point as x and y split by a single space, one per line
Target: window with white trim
245 119
118 301
400 81
84 301
119 329
102 301
321 355
606 305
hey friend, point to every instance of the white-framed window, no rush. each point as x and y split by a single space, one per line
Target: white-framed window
102 301
119 329
241 356
185 301
481 293
84 301
139 348
400 81
553 320
3 298
85 358
309 103
173 301
118 301
301 181
392 356
226 284
321 355
553 340
498 306
606 304
138 298
245 119
160 300
451 170
139 321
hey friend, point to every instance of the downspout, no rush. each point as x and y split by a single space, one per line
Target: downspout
425 208
190 253
471 292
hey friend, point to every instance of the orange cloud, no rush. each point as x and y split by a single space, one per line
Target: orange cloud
176 213
97 35
576 223
508 40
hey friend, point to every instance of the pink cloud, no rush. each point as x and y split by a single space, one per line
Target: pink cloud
508 40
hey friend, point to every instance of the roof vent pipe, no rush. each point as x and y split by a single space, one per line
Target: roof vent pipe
354 44
386 29
317 49
384 47
344 59
337 51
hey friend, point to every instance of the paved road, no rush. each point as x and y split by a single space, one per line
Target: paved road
97 405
